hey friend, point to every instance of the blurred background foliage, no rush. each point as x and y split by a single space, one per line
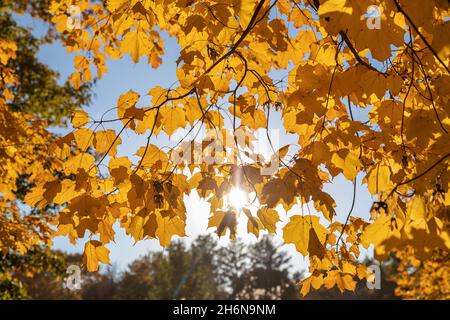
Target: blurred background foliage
40 90
203 270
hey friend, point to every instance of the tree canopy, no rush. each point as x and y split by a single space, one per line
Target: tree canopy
366 95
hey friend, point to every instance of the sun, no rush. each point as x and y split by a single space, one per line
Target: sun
237 198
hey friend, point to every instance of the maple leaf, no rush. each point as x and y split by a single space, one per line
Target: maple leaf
172 119
254 225
269 218
107 141
305 232
94 252
383 228
137 44
167 228
83 137
341 280
246 12
79 118
113 5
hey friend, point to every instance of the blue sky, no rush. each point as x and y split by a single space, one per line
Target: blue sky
124 75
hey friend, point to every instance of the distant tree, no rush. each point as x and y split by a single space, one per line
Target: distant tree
136 281
202 273
99 285
232 264
268 276
177 273
39 274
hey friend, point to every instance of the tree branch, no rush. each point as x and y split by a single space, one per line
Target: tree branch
400 9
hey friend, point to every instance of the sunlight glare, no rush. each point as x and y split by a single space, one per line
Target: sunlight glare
237 198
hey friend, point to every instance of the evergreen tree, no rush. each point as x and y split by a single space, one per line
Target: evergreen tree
268 276
232 264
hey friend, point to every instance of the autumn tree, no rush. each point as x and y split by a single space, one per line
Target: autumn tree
365 96
39 274
32 97
422 279
37 90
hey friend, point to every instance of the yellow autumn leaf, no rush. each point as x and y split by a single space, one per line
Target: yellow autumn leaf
306 286
113 5
268 217
107 141
94 253
172 119
378 179
137 44
168 227
341 280
79 118
246 12
84 138
416 209
382 229
254 225
298 229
